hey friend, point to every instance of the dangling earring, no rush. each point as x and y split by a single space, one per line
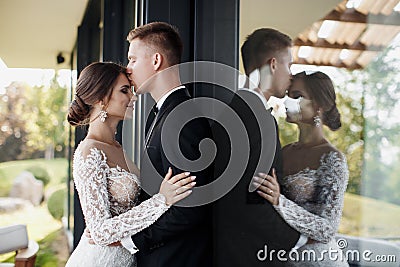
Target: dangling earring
317 120
103 115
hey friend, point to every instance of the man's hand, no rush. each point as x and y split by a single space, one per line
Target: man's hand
89 237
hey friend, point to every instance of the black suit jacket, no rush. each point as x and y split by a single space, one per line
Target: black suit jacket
243 221
182 236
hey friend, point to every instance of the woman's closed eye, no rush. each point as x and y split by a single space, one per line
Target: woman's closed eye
126 89
296 94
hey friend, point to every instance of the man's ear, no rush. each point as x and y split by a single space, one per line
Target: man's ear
157 61
272 65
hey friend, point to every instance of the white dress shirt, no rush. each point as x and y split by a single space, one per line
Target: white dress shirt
161 101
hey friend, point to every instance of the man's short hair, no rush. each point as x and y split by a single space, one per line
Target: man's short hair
262 45
160 36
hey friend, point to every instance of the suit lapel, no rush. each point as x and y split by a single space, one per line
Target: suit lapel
149 122
150 131
174 99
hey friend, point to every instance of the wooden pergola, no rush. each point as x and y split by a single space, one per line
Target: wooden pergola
350 36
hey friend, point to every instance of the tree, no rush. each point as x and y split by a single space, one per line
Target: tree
33 121
382 129
12 124
48 130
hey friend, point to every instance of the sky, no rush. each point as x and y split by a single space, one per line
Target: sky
33 77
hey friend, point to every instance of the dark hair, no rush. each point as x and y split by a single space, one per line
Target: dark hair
262 45
94 84
322 91
162 36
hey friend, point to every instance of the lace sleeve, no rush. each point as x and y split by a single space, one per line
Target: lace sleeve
321 224
90 177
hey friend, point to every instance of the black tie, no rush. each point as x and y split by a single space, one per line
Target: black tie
155 111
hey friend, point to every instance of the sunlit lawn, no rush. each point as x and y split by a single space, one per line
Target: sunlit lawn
57 169
368 217
40 224
38 220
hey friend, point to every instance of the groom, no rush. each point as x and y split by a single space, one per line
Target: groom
248 227
182 236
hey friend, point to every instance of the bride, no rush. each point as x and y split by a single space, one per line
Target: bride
107 183
310 196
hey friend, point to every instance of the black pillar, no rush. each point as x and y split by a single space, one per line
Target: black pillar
210 32
118 20
89 36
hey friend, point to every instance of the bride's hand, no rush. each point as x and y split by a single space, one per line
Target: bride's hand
176 188
91 241
268 187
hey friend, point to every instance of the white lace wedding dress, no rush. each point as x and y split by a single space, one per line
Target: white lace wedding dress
108 196
311 201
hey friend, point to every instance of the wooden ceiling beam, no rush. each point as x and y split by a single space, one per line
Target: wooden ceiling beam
322 43
339 64
354 16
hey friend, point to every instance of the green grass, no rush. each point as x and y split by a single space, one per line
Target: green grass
57 169
38 220
47 254
40 224
367 217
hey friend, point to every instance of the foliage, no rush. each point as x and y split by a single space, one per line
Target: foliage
382 128
48 112
4 185
349 138
56 168
13 131
47 255
288 132
40 173
55 203
33 121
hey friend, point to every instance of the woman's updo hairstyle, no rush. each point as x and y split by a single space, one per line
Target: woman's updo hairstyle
95 84
322 91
